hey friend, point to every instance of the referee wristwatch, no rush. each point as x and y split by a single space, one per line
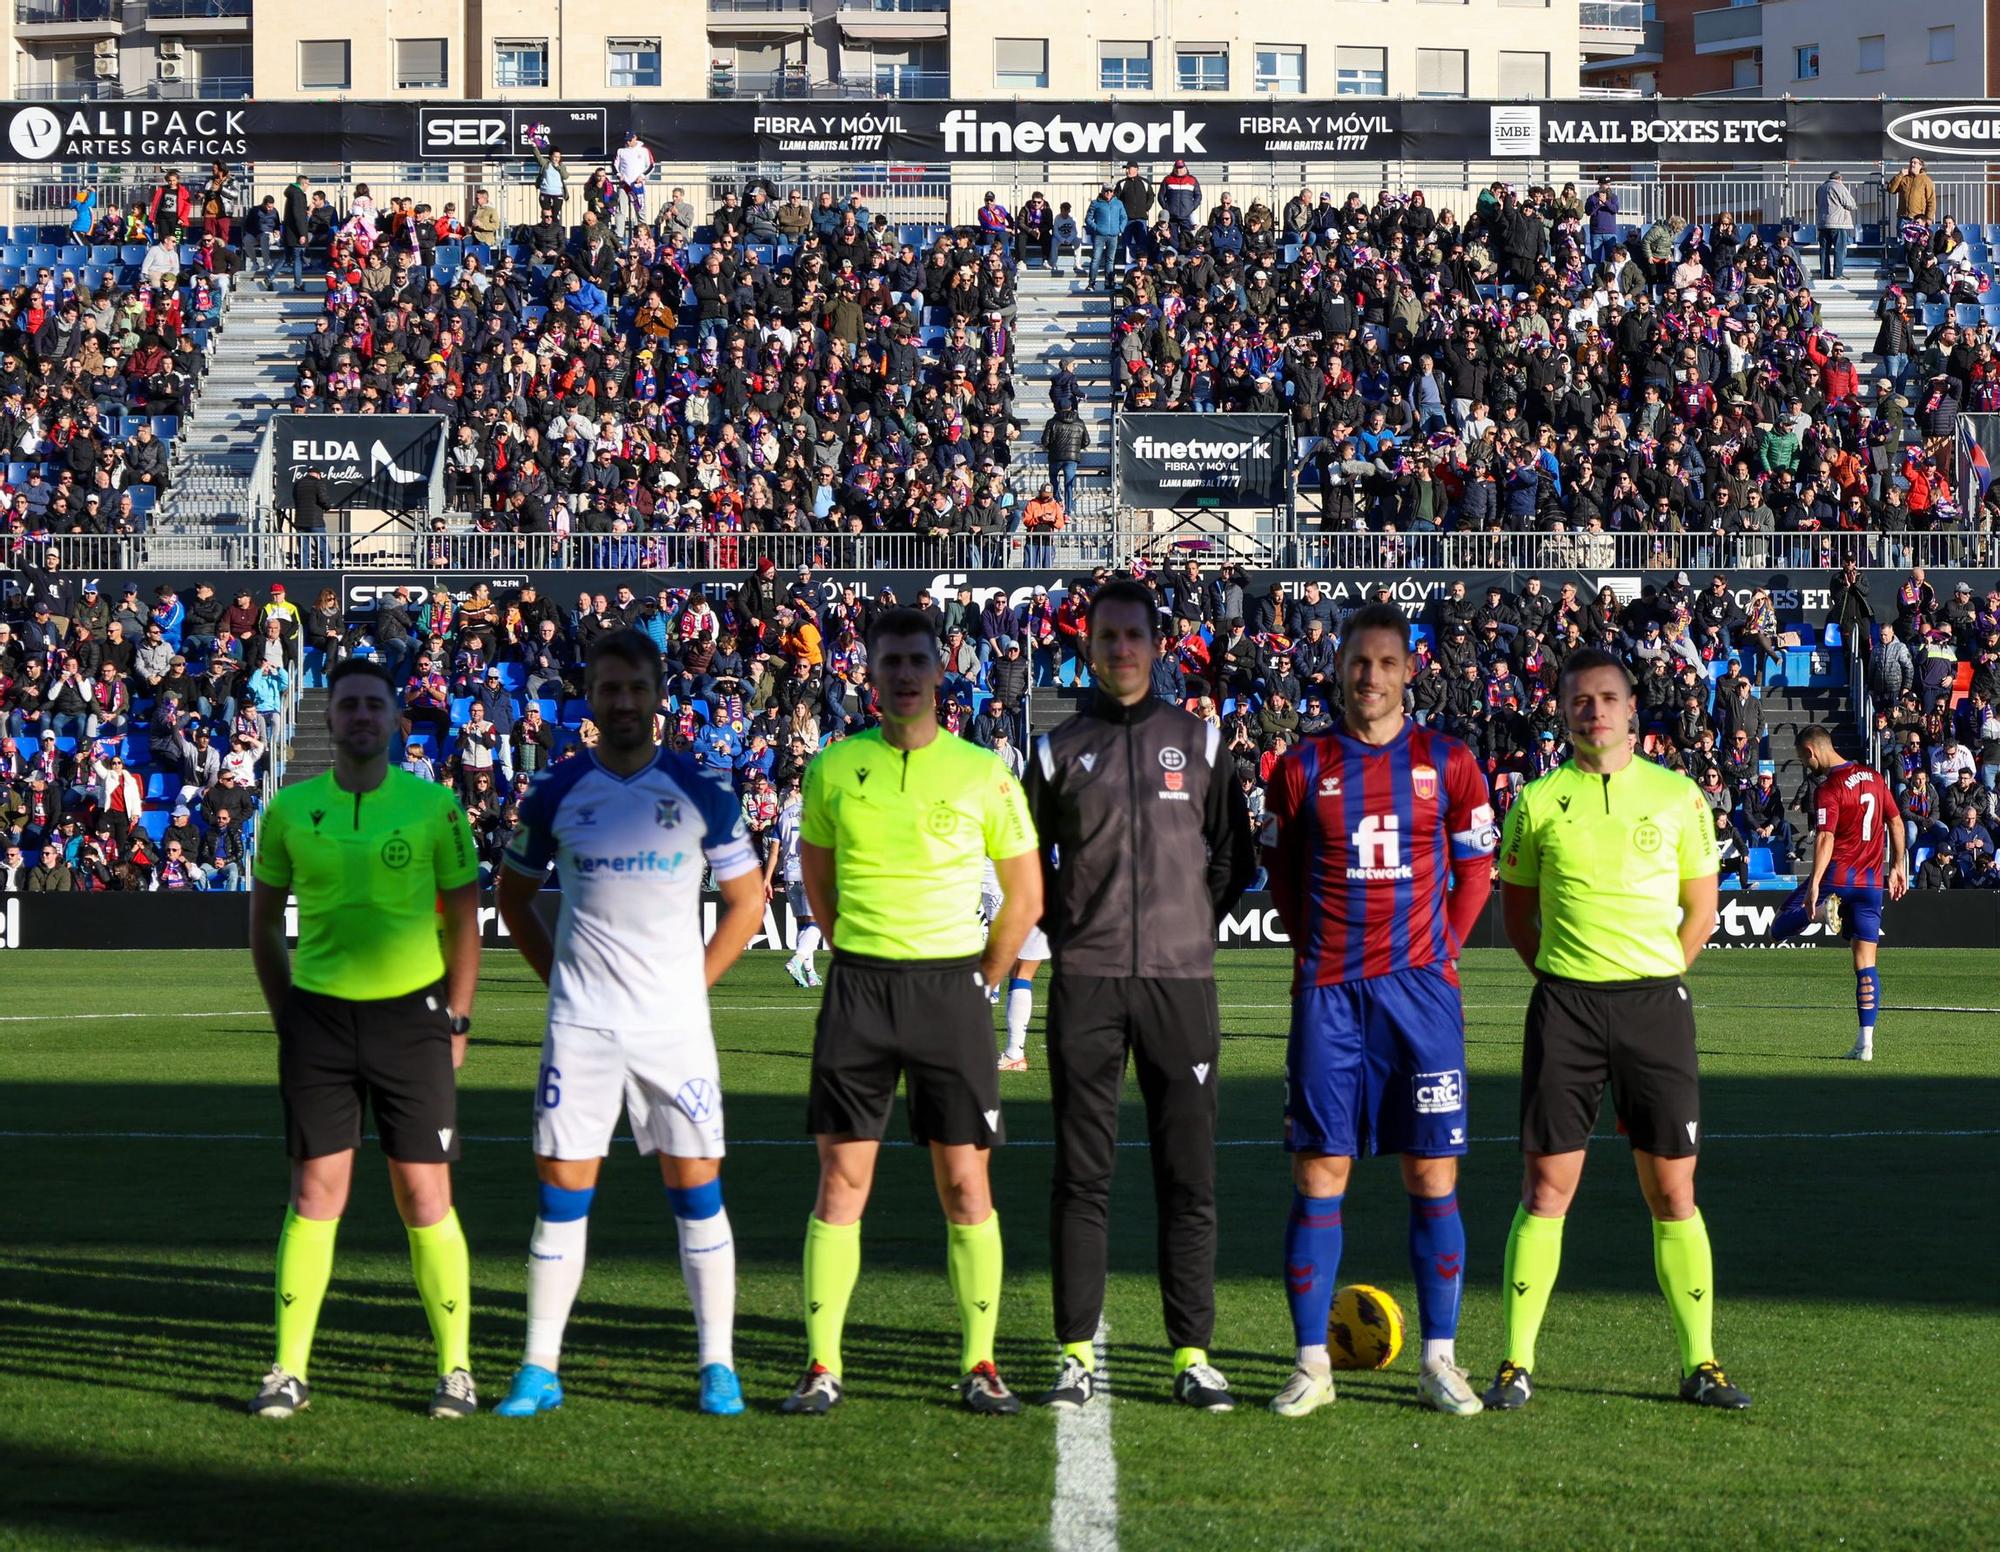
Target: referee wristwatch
459 1023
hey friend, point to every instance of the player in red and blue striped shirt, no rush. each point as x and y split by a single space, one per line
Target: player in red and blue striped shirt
1854 813
1380 864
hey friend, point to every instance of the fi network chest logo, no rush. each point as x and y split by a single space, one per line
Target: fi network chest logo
1514 129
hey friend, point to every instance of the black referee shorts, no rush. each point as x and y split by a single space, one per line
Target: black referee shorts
1636 1035
925 1021
337 1056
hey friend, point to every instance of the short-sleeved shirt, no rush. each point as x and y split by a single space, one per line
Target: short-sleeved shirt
1609 855
1854 806
909 830
367 868
629 853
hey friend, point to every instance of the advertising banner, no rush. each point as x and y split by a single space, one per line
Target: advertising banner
1958 919
1101 132
366 460
1229 461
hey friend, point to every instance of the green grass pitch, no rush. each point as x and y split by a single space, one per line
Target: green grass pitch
1853 1211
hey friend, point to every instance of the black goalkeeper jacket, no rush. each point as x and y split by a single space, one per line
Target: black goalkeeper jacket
1145 840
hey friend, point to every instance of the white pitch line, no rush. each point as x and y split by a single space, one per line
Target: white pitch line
1026 1142
1083 1511
67 1018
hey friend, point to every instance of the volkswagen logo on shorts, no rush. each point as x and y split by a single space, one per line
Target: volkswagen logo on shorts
1172 759
395 852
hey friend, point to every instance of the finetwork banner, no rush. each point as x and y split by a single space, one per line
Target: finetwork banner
1230 461
929 134
379 461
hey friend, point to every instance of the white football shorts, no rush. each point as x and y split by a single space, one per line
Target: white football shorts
669 1086
795 897
1035 946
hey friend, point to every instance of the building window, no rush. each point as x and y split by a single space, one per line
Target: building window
420 65
1805 62
1871 54
520 62
1944 45
632 62
1124 67
1021 64
1523 74
1440 72
1531 5
1202 67
1280 68
325 65
1360 72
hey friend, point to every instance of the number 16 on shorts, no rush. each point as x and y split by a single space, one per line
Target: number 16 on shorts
668 1085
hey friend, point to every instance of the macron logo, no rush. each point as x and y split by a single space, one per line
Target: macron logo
966 133
992 1120
1192 447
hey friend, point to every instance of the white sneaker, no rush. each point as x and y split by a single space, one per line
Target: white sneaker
798 972
1306 1391
812 977
1443 1388
1864 1051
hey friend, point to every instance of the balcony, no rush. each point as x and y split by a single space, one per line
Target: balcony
215 88
66 91
68 18
750 18
896 81
1730 30
766 83
200 15
1611 26
894 20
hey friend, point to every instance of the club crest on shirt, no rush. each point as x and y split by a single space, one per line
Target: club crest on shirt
1424 782
668 812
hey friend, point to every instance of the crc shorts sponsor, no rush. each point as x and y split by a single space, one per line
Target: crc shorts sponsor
1377 1066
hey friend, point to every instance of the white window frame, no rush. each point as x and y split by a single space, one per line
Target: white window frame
503 47
1464 73
637 48
1355 80
1862 66
1021 80
1200 55
1800 56
1949 36
1124 55
443 83
1274 80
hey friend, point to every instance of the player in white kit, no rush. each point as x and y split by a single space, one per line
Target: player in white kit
782 866
1020 982
629 828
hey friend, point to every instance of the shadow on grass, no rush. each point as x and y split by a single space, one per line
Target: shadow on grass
56 1497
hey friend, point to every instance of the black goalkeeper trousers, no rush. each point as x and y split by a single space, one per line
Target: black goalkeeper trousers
1172 1031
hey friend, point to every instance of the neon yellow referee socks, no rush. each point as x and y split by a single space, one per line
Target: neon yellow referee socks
305 1267
444 1282
1685 1266
973 1258
1534 1253
833 1266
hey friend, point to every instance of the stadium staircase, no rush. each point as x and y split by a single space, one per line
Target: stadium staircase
1056 318
312 745
251 372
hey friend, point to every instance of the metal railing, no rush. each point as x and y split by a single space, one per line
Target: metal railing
733 7
66 91
897 81
205 87
1612 15
196 10
1289 548
34 13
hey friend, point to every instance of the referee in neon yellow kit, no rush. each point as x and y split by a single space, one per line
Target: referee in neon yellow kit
1608 877
369 1012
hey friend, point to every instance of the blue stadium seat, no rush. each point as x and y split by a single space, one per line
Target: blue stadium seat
103 253
1760 863
512 676
1992 234
154 822
73 254
1933 315
1835 638
160 785
1968 314
132 253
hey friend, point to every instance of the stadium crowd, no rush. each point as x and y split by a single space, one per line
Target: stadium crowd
1533 364
120 716
772 365
104 334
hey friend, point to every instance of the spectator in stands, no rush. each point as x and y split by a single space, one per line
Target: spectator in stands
50 876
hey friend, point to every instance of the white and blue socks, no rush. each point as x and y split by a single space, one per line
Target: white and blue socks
555 1270
809 942
708 1263
1020 1008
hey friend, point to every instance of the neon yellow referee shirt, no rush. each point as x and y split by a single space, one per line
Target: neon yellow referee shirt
1609 854
909 832
367 868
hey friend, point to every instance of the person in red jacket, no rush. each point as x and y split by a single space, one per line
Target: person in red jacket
169 208
1072 632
